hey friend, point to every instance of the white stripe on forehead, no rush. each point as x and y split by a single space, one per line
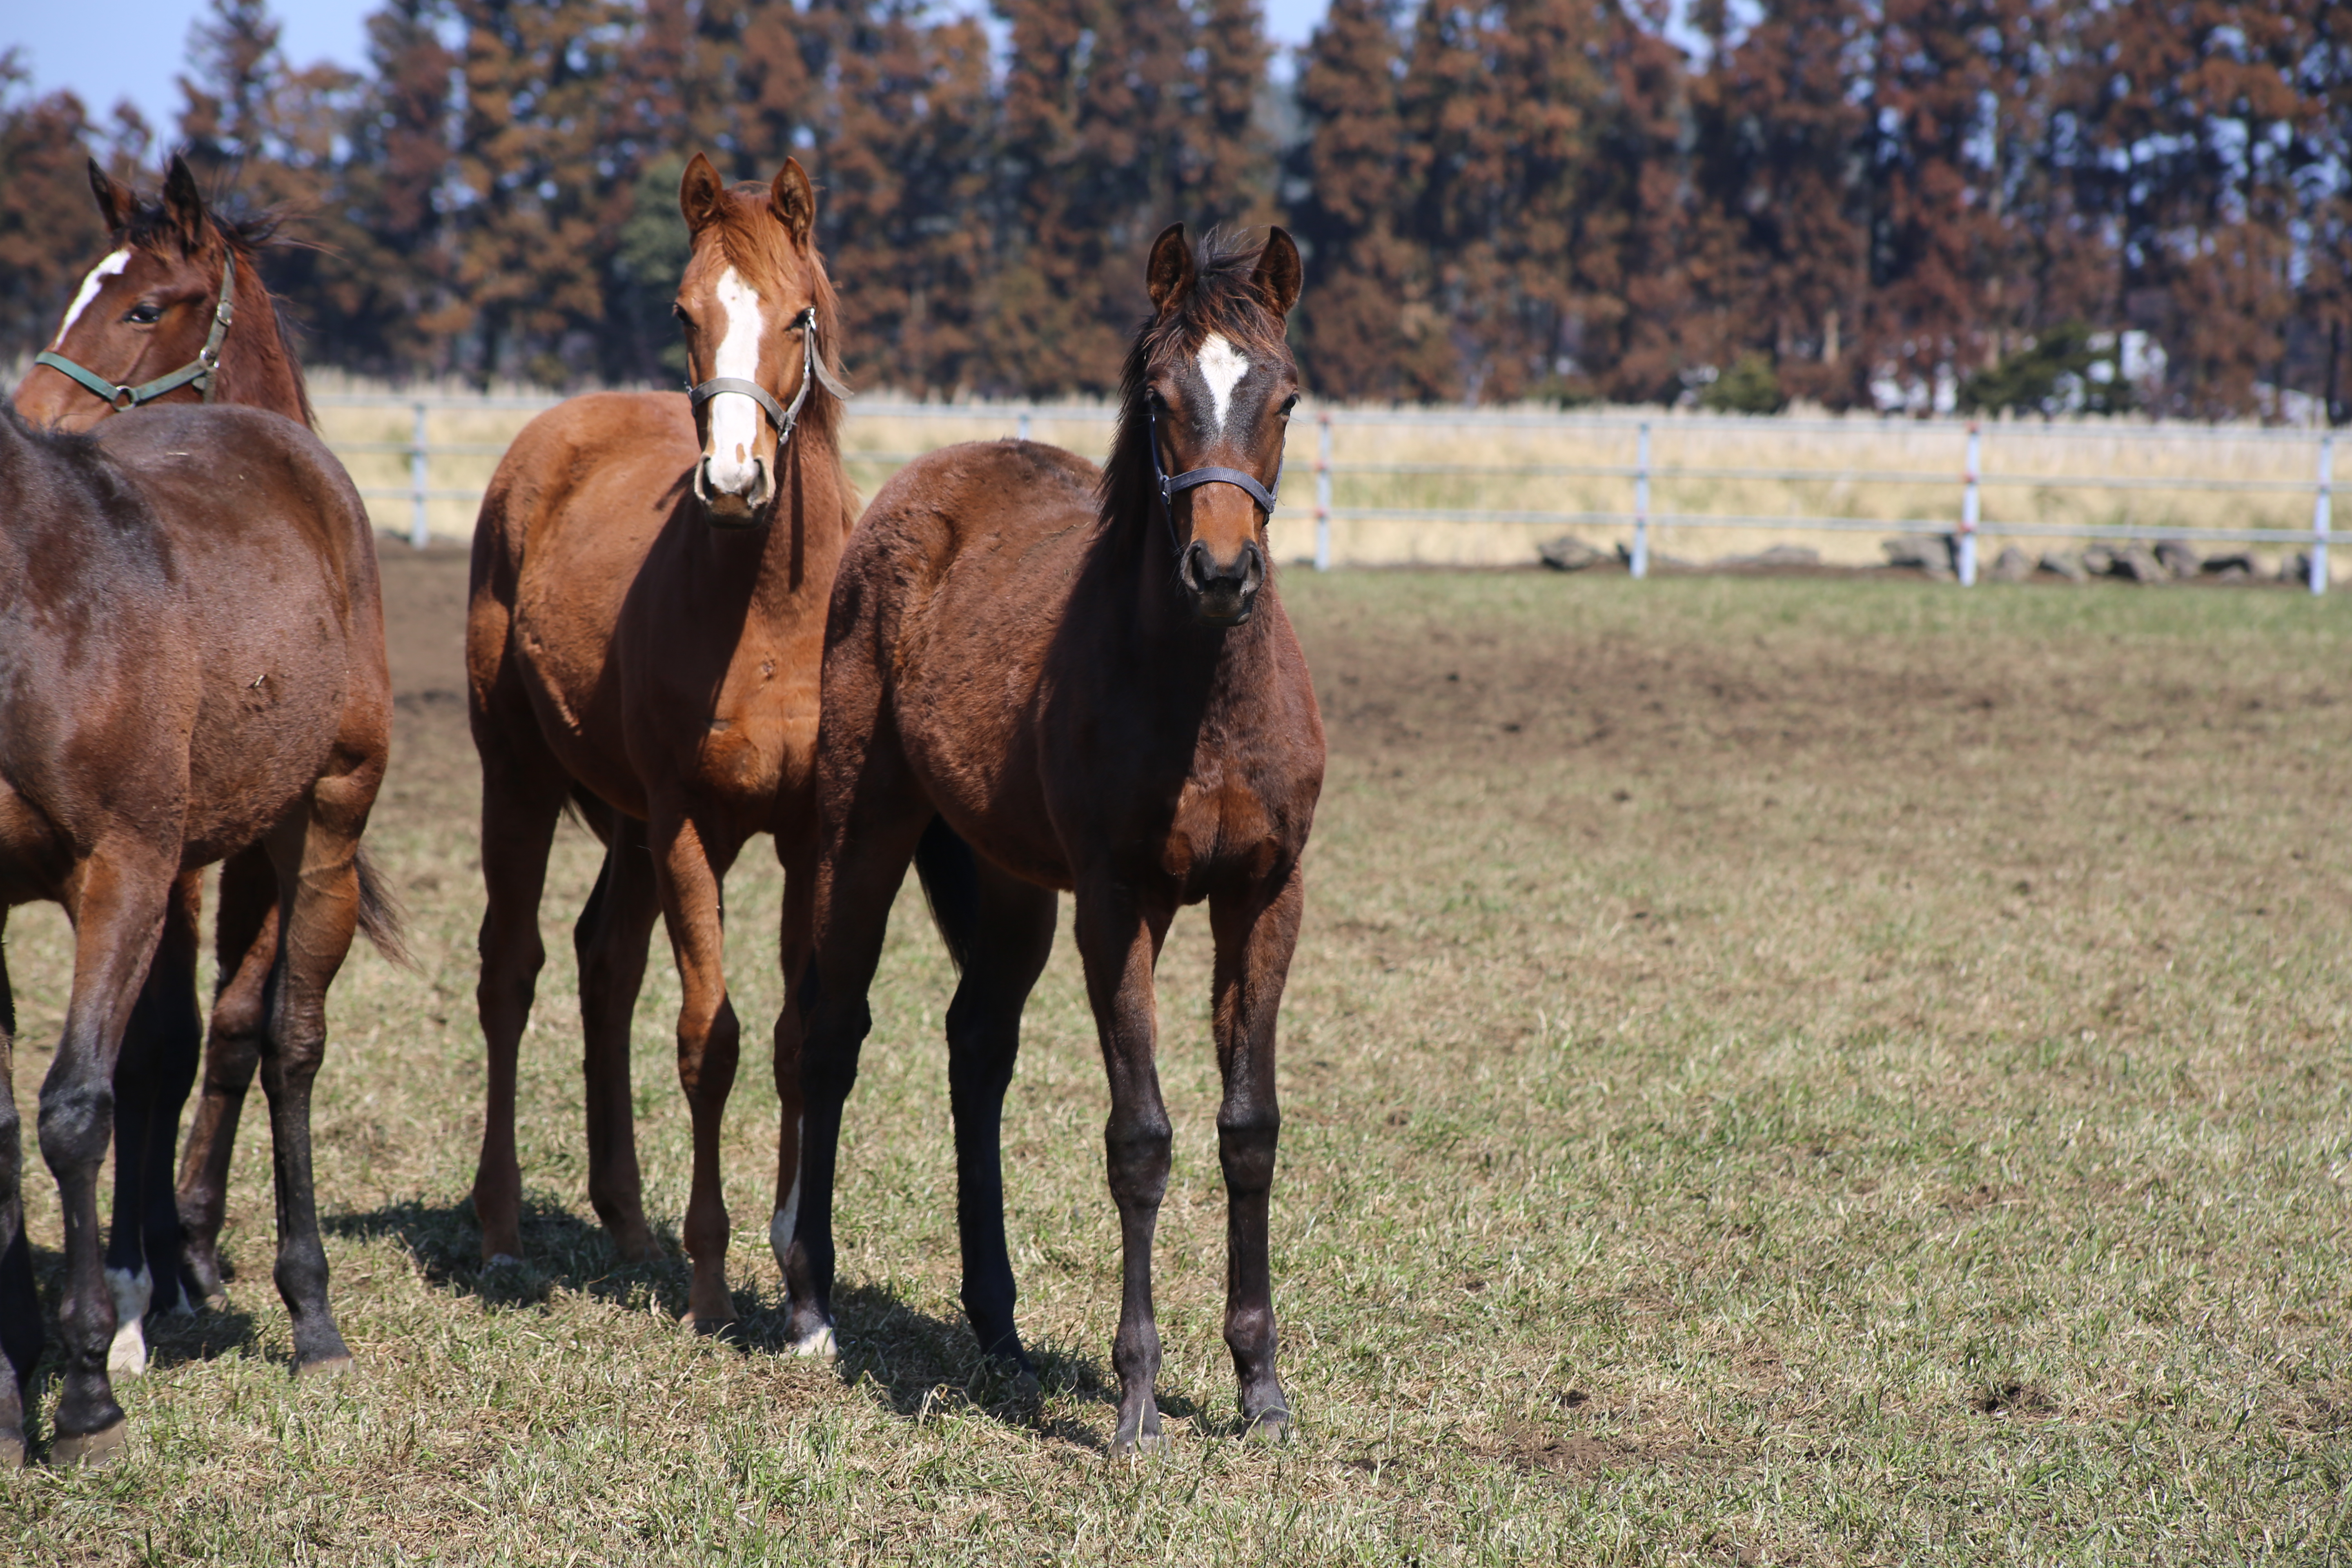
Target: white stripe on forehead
90 285
735 418
1222 367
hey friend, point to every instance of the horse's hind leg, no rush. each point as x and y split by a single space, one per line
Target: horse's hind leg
20 1306
1011 940
246 947
151 1074
865 861
523 791
1255 930
611 940
119 908
688 871
319 899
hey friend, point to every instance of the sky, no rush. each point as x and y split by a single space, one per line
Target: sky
140 47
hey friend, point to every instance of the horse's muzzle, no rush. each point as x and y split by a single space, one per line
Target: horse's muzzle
1222 593
736 496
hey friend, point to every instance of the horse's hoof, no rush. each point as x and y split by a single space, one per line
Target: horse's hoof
1141 1446
713 1326
1269 1427
644 1250
499 1261
98 1447
819 1344
324 1366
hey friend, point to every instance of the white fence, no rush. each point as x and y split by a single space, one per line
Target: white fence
2000 485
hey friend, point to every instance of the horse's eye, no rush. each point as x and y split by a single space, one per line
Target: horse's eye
678 311
1289 403
144 314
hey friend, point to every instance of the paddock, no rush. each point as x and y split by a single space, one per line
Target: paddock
1777 1068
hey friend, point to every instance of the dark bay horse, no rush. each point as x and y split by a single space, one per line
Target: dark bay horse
186 673
649 582
177 313
1089 679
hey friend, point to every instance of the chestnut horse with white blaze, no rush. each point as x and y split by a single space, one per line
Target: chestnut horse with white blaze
175 312
649 582
1088 678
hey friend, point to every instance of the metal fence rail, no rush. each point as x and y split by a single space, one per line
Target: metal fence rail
1970 483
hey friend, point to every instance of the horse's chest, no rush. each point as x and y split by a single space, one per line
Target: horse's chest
1220 830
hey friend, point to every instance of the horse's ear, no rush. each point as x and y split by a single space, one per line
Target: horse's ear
1278 272
700 192
183 204
795 200
1169 274
114 202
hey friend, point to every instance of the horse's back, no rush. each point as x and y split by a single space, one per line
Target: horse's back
981 519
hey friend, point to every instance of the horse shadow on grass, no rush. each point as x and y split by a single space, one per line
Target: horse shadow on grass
914 1363
173 1339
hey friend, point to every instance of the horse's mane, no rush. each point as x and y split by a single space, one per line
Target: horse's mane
758 246
1224 299
152 227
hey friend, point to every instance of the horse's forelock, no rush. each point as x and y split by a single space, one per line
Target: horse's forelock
1224 298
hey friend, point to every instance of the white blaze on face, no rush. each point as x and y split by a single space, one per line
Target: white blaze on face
737 433
1221 369
109 267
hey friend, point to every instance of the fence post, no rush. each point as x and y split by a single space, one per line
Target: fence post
1640 566
1323 492
2321 507
1023 428
419 477
1969 503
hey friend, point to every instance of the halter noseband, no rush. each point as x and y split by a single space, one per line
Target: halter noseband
198 371
1191 478
812 369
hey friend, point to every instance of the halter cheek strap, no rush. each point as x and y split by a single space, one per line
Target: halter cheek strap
1170 484
813 370
198 371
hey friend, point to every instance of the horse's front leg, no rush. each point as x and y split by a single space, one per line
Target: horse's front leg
118 907
20 1305
1119 932
151 1074
1255 930
688 870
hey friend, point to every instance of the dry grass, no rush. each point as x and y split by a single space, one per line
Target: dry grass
1776 1071
877 441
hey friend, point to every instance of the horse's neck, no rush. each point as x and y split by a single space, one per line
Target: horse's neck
254 368
811 512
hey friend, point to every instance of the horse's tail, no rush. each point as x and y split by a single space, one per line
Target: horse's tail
950 879
382 920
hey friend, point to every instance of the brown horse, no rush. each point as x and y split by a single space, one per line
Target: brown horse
649 582
191 675
150 321
1090 680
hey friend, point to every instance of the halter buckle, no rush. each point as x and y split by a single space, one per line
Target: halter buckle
125 399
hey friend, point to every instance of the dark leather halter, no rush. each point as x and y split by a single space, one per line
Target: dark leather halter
196 372
1192 478
813 370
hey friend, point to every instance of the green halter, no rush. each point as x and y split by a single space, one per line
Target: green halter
198 373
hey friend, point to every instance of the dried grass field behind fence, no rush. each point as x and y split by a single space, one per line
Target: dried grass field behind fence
1498 463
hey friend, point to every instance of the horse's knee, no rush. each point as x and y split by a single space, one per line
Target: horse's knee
829 1049
1137 1152
1245 1146
76 1118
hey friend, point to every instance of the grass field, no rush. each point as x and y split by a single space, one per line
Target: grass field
877 438
1776 1071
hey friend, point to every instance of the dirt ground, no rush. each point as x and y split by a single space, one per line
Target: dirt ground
1776 1071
